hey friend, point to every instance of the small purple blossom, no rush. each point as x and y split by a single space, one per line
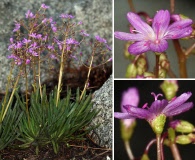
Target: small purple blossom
29 14
17 60
158 107
34 35
101 40
108 47
44 38
44 6
18 45
17 27
50 47
68 16
80 23
147 38
11 40
53 27
52 56
83 33
27 61
71 41
25 41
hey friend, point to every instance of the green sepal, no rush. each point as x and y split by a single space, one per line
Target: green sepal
158 123
145 157
171 134
126 132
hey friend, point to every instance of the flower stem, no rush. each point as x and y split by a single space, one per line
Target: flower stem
181 58
172 5
131 5
175 151
11 97
89 71
159 148
189 50
61 70
157 64
128 149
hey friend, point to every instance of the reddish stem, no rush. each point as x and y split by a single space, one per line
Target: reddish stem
172 5
181 58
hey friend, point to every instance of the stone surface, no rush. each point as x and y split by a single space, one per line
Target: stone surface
103 101
96 16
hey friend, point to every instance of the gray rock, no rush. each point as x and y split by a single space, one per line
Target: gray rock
96 16
103 101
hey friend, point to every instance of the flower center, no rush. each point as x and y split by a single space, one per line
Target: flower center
156 96
157 41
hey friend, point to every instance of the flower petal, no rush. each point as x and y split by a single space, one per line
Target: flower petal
120 115
139 24
177 102
157 106
130 97
139 47
179 29
138 112
128 37
180 109
159 45
179 33
160 23
180 24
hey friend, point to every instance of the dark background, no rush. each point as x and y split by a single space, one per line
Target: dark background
143 133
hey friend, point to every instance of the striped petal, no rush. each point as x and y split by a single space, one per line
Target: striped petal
159 45
140 25
139 47
161 22
128 37
120 115
180 109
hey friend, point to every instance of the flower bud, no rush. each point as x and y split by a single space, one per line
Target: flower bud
171 134
131 71
141 62
145 157
149 75
162 73
169 88
129 97
183 139
126 52
126 132
182 126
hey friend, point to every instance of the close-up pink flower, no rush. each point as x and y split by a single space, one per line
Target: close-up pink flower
154 38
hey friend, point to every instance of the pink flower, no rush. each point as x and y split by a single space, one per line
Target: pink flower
154 38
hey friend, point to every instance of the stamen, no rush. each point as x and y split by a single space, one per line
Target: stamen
156 96
145 105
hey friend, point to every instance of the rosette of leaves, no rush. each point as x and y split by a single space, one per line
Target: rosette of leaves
9 123
46 123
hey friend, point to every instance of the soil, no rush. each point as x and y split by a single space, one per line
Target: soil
79 150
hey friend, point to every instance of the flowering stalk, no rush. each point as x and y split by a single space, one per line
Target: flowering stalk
11 97
61 70
181 58
157 64
159 149
88 74
128 149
